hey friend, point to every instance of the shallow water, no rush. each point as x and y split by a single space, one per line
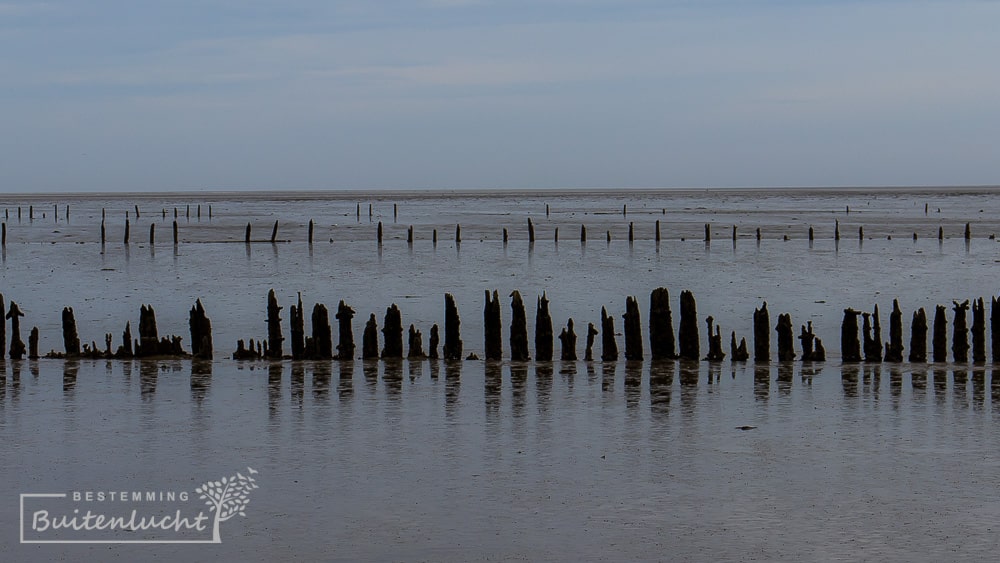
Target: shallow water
459 462
470 461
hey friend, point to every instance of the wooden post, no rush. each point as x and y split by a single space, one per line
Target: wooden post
152 233
531 231
311 227
583 233
175 232
708 233
810 234
247 236
274 233
409 235
505 235
4 241
102 232
657 230
126 231
631 232
968 231
378 234
458 234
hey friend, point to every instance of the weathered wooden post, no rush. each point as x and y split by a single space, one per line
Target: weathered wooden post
432 348
715 353
661 325
378 234
416 344
850 344
738 353
71 341
960 341
633 330
894 349
458 234
543 330
201 332
810 234
591 333
274 338
657 232
689 341
16 344
409 235
345 345
531 231
176 239
492 327
708 235
836 230
761 335
978 331
609 348
452 338
126 231
567 339
518 329
312 227
274 233
786 339
152 233
369 340
940 339
4 241
33 344
631 232
392 333
995 330
918 336
872 342
968 231
246 237
296 322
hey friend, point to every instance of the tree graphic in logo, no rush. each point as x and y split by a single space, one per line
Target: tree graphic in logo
228 497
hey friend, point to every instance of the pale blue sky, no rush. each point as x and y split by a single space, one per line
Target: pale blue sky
307 94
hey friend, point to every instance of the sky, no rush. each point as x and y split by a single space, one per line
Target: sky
120 95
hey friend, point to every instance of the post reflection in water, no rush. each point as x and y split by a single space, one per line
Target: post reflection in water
518 384
3 382
452 384
761 381
322 372
873 380
809 371
33 368
895 384
994 386
633 383
689 386
492 387
369 369
201 379
568 372
148 373
960 378
298 384
714 373
15 380
543 386
392 376
435 369
940 379
918 380
274 388
345 385
661 382
978 387
608 377
415 369
786 371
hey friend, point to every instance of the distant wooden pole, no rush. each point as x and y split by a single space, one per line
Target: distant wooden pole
247 237
311 227
631 232
152 233
583 233
175 232
378 234
458 233
3 242
103 233
409 235
136 211
505 235
274 232
126 230
708 233
810 234
657 235
531 231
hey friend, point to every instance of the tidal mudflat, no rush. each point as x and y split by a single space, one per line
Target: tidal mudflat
473 460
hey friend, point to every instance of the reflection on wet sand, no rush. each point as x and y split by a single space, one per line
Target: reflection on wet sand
345 384
452 384
543 386
762 381
518 387
661 382
273 388
298 383
369 368
392 376
786 371
201 380
633 383
940 381
322 373
492 387
148 374
567 370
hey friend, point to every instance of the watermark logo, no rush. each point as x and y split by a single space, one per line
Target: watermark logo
148 516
